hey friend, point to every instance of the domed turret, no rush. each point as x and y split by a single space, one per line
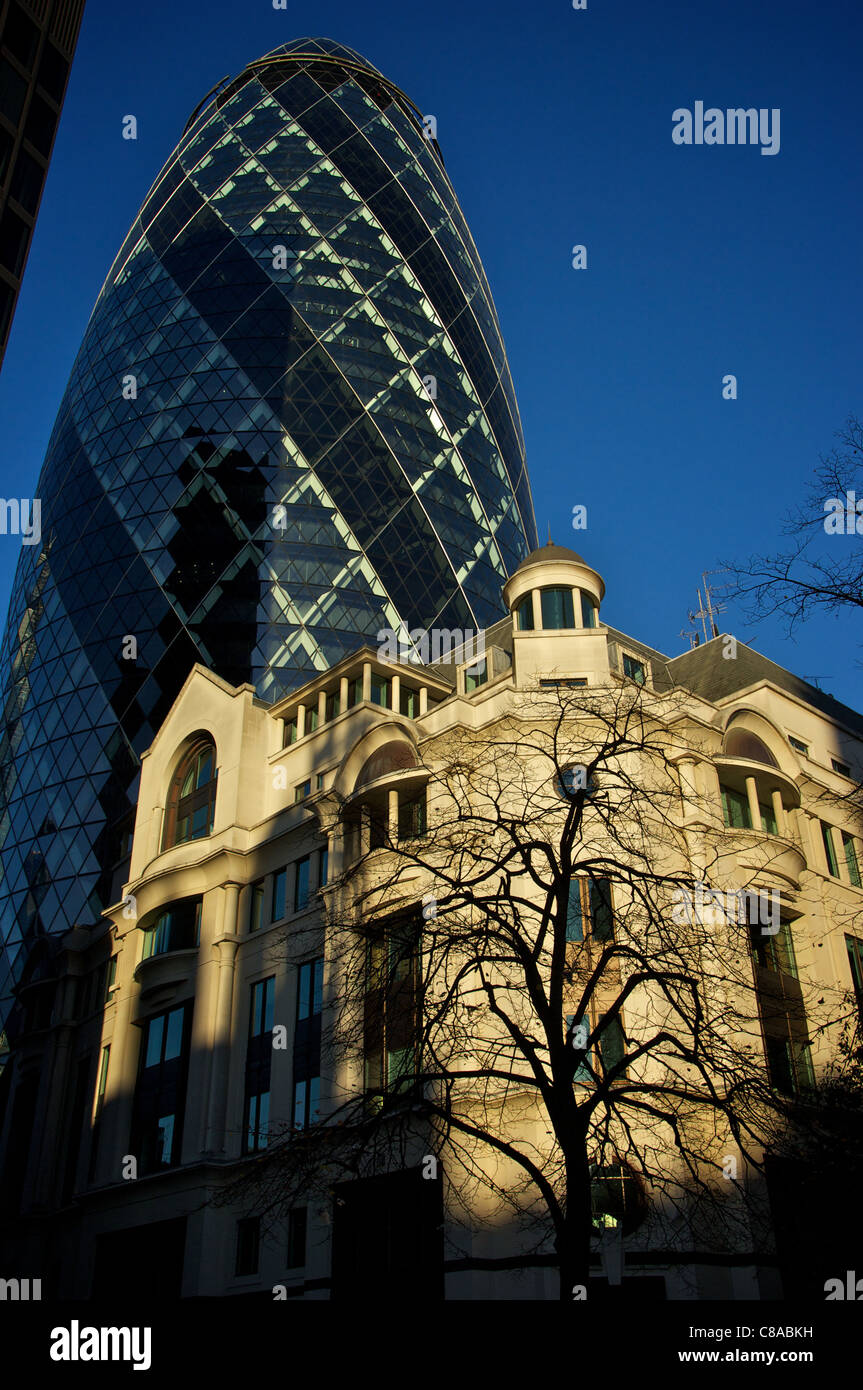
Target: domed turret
554 589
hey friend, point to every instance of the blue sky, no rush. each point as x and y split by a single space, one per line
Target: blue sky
555 125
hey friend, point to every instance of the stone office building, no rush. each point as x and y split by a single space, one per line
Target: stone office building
147 1074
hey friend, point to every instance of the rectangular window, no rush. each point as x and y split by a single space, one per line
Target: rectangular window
102 1084
111 981
851 858
776 952
768 819
259 1053
409 701
567 684
556 608
355 691
256 906
319 782
829 850
601 912
841 767
160 1093
333 707
248 1245
412 817
380 691
612 1046
323 866
476 675
574 920
307 1043
590 900
301 882
780 1006
311 719
735 809
303 790
292 730
261 1012
390 1013
297 1237
854 947
798 745
634 670
280 901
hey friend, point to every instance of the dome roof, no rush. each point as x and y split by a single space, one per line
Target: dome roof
320 49
552 552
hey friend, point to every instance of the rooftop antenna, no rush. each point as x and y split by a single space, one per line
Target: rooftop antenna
708 610
549 532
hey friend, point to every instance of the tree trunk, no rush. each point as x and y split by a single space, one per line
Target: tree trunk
573 1241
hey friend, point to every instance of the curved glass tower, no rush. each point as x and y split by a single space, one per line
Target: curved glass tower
291 423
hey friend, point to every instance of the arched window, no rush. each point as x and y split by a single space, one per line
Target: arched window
524 614
393 757
742 743
192 798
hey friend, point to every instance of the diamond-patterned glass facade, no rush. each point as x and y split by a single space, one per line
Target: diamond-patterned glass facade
291 423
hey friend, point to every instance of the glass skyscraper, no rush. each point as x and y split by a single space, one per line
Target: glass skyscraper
291 423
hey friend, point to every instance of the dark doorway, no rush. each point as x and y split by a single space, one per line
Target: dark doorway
145 1262
388 1238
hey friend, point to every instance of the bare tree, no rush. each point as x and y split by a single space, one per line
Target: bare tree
537 987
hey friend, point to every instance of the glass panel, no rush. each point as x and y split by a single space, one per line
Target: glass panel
300 1105
574 925
155 1029
601 914
557 610
735 809
851 858
524 615
634 670
475 676
588 610
304 992
279 900
301 884
174 1035
827 837
768 819
165 1142
256 916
